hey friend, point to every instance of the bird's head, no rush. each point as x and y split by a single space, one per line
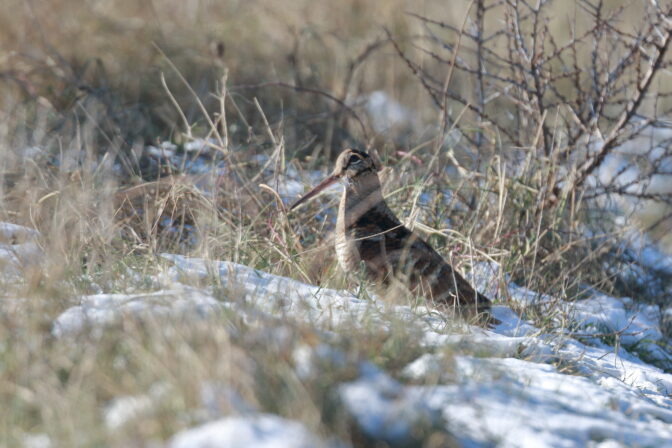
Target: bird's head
352 163
352 166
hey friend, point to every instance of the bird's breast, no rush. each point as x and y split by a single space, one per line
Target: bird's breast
346 245
347 254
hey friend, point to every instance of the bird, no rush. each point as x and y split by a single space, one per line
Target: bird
368 232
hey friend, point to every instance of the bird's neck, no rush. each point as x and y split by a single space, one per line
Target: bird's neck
361 194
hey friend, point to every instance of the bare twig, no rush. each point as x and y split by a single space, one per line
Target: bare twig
327 95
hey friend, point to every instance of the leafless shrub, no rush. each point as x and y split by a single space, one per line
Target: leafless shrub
567 104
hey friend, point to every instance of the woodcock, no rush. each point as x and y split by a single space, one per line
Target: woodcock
367 231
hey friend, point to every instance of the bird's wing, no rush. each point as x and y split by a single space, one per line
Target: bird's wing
378 233
387 247
442 280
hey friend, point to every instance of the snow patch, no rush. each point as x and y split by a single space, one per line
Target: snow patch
19 250
512 385
122 410
100 310
387 113
385 410
259 431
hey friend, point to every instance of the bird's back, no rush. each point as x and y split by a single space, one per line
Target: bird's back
394 254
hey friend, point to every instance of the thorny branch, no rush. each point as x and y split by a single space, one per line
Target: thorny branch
319 92
593 86
642 88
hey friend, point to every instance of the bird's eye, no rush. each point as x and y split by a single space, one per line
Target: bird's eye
354 159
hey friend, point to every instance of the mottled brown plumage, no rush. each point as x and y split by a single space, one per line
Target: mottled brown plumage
393 256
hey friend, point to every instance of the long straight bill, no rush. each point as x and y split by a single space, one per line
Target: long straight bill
322 185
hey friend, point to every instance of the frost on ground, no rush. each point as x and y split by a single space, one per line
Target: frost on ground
510 386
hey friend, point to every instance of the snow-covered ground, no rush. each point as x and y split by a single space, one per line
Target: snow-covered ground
597 380
261 431
510 386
